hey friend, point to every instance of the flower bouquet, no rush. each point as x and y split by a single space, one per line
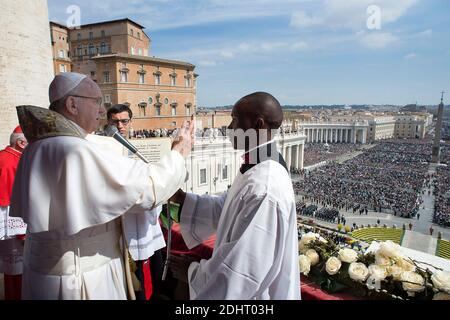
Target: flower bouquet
383 274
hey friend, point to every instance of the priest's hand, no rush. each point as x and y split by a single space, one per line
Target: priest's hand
179 266
184 140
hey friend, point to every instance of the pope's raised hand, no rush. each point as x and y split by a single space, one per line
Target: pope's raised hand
184 140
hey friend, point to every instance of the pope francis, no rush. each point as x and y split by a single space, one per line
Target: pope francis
72 195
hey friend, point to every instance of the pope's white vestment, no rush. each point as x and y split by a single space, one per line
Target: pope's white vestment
72 195
256 250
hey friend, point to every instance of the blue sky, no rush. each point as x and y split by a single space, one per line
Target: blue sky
302 51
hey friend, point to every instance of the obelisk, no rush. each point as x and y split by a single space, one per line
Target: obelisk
438 133
26 68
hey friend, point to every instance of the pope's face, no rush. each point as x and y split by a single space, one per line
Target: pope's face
89 107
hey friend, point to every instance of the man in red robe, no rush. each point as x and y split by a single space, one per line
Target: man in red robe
12 230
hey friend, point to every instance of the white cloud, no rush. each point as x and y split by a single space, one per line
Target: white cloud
350 14
207 63
410 56
377 40
426 33
300 45
227 54
300 19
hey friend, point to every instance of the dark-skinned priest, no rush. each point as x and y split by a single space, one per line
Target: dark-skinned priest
256 250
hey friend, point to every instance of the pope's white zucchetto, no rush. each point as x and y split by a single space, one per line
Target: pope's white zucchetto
63 83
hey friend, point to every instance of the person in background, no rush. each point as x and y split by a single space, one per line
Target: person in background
120 115
145 238
12 230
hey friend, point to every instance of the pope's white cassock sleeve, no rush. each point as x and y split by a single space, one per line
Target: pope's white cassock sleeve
256 249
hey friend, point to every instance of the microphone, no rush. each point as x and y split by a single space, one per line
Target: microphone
111 131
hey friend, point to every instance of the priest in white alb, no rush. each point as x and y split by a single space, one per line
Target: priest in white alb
255 255
73 196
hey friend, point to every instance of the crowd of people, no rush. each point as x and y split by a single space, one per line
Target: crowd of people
163 132
387 177
442 195
318 152
325 214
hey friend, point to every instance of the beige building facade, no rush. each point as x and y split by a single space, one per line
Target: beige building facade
161 93
116 54
59 36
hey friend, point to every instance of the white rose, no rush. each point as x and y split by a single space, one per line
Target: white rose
441 296
304 264
389 249
307 238
395 272
405 265
382 260
358 271
377 272
348 255
414 282
313 256
441 280
333 265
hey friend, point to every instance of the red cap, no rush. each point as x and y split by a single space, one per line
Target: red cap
18 129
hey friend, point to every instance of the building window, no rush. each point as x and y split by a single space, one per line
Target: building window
158 110
91 35
174 123
157 79
166 100
173 81
91 49
132 32
187 82
225 172
62 68
202 176
92 73
174 110
188 111
61 53
79 36
107 98
139 35
103 33
141 78
150 100
103 48
140 51
123 76
79 51
106 77
132 50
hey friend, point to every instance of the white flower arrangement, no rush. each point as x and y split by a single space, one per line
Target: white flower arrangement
385 273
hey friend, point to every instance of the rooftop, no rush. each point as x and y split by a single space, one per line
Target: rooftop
145 59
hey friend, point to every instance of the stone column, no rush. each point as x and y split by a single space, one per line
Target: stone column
288 157
295 156
353 135
300 155
364 136
26 61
